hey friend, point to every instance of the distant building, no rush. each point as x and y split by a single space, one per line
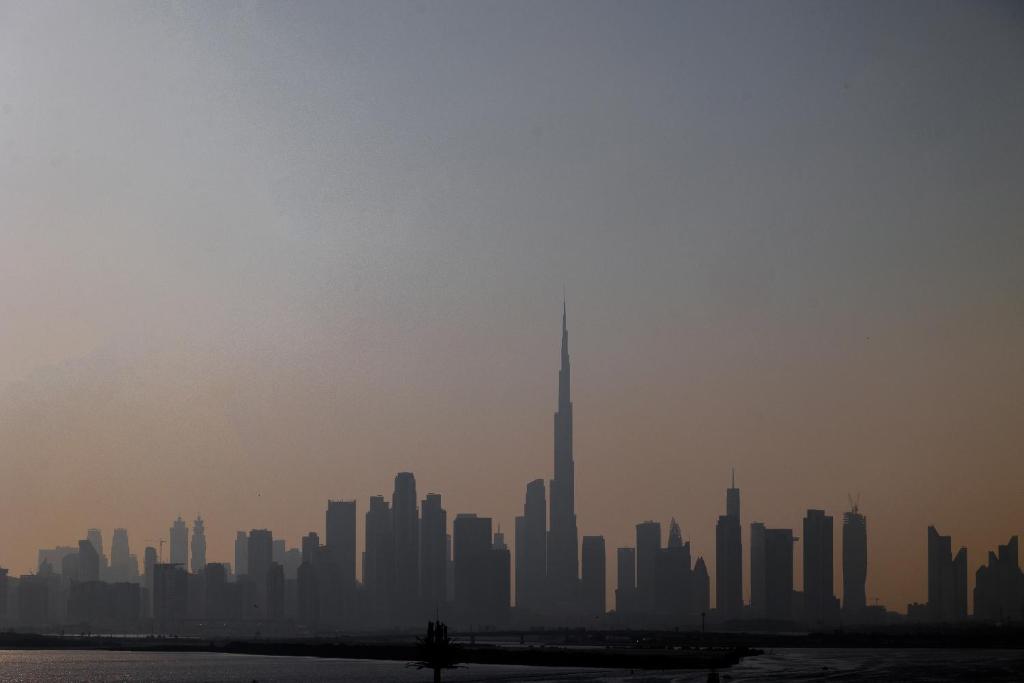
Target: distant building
673 579
198 546
310 544
999 586
95 536
625 589
757 575
55 556
481 599
241 553
531 548
855 562
701 587
433 529
122 568
406 524
778 561
947 580
170 596
340 539
216 595
820 606
88 561
648 544
179 542
379 559
592 579
260 557
275 592
729 558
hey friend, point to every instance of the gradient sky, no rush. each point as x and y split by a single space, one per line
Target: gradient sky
254 256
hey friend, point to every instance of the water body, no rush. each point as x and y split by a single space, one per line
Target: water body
789 664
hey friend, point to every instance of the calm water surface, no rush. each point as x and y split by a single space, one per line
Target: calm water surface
790 664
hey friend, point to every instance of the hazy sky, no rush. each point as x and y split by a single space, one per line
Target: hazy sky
255 256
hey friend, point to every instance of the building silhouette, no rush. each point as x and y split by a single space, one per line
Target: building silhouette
170 597
999 586
757 571
648 545
563 536
855 562
179 542
433 530
592 576
88 561
340 538
701 587
198 546
625 589
241 553
406 525
673 578
729 558
259 558
820 606
531 548
481 573
778 574
947 579
379 559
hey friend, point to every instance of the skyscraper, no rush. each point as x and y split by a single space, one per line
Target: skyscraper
179 543
433 528
701 596
592 579
729 558
778 574
855 561
88 561
198 546
648 543
625 590
340 536
95 536
819 597
481 572
260 557
673 577
947 579
120 557
241 553
563 543
999 586
406 522
379 556
310 544
531 548
757 578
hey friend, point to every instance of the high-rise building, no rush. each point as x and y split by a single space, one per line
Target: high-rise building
198 546
947 579
241 553
999 586
531 548
778 574
701 588
481 573
215 591
729 558
122 567
648 544
563 543
275 592
625 589
149 561
855 562
433 529
310 543
340 537
379 557
819 594
406 523
88 561
179 543
260 557
757 578
170 596
592 579
673 577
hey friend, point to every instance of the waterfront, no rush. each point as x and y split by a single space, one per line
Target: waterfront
789 664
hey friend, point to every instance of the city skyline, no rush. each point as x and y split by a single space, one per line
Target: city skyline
564 583
256 257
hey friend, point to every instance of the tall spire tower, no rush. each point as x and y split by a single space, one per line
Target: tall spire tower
563 538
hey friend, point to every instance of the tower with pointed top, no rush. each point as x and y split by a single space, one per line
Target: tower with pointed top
563 538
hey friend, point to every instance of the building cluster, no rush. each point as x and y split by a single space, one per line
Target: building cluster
417 565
